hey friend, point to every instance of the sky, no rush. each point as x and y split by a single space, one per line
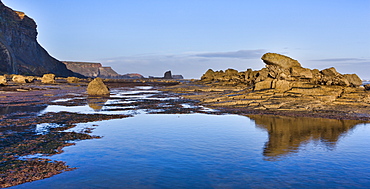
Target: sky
190 36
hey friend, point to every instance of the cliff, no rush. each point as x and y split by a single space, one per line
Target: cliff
93 70
20 53
84 68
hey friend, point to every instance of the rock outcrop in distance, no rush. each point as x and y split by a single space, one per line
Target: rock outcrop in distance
168 75
282 73
20 53
89 69
283 87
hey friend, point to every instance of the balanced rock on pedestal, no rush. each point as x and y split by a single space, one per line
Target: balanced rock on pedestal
97 87
280 60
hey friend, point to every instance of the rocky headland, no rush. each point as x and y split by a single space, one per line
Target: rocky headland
283 87
20 53
92 70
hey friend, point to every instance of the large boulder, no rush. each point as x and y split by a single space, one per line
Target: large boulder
280 60
48 78
97 87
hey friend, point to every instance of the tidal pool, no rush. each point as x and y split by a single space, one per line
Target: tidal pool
200 150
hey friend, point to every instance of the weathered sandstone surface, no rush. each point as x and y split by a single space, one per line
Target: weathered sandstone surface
20 53
283 85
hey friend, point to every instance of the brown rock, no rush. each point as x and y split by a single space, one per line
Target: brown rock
208 76
281 85
72 80
19 79
48 78
353 79
280 60
97 87
301 72
262 75
266 84
30 79
330 72
3 80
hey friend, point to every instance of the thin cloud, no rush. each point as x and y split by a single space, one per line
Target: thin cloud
341 59
243 54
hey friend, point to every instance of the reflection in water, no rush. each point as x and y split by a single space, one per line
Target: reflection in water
96 102
287 134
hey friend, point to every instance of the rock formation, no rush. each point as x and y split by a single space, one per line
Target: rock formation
86 69
97 87
72 80
3 80
282 73
93 70
19 79
167 75
48 78
283 85
20 53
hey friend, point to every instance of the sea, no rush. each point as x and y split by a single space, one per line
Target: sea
155 148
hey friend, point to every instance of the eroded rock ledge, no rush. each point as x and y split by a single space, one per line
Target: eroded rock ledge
282 86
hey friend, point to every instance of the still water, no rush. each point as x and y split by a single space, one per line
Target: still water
202 150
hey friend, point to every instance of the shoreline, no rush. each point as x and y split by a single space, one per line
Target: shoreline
223 99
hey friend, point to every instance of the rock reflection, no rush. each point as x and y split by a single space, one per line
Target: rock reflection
97 102
287 134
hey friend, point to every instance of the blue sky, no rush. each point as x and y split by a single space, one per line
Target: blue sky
188 37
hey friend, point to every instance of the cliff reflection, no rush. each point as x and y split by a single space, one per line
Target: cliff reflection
96 103
287 134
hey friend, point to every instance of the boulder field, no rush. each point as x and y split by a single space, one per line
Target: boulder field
282 86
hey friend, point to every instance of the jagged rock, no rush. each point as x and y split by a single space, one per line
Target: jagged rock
19 79
280 60
73 80
281 85
266 84
20 53
97 87
262 75
330 72
208 76
353 79
167 75
300 72
48 78
3 80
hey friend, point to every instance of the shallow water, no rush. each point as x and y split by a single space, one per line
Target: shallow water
211 151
